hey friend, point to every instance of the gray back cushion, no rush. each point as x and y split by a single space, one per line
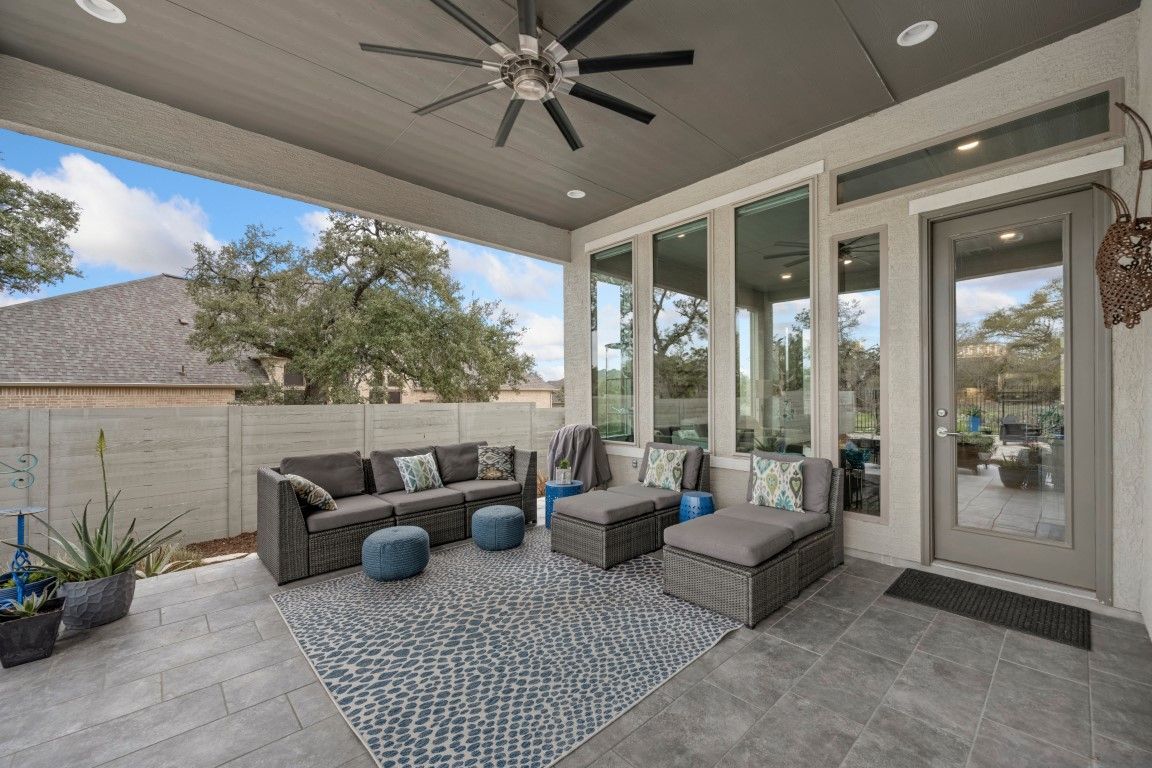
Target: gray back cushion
458 462
692 463
817 474
385 474
341 474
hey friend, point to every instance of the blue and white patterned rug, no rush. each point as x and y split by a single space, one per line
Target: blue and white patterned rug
494 658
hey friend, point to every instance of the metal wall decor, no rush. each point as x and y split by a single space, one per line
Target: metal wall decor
1124 261
22 470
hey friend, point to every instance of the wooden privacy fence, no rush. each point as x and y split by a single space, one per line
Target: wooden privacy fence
168 460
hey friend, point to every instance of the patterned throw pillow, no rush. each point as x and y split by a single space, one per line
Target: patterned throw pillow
665 469
496 462
778 484
311 495
419 473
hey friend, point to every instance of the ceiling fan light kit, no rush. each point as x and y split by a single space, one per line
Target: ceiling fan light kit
532 74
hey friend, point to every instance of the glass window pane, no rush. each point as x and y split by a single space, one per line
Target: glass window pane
774 325
858 364
1066 123
680 334
613 406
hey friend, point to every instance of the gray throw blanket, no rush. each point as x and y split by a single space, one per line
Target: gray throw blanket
581 445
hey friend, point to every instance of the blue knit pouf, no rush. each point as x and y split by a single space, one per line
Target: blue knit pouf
498 527
391 554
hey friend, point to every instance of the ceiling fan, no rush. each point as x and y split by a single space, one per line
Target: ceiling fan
533 74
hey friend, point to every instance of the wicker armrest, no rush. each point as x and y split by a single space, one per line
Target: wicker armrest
525 471
281 535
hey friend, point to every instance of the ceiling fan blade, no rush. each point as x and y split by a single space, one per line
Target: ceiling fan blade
447 58
472 25
526 10
560 117
510 115
588 23
457 97
624 61
608 101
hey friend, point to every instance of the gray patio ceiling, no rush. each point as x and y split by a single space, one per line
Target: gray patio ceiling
767 73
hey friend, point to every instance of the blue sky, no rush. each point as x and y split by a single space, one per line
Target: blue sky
139 220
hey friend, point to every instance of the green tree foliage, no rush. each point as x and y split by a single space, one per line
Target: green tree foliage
680 344
34 228
371 297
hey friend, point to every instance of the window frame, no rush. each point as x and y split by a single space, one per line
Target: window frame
631 243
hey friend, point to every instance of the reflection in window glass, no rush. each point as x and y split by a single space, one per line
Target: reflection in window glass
680 334
858 364
613 407
774 325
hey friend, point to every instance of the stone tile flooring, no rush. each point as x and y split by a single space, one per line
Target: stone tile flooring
984 502
204 673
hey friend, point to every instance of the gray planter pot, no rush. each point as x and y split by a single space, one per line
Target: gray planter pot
98 601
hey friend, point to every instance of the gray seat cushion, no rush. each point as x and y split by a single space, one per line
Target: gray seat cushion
661 498
603 507
458 462
692 463
350 510
817 474
423 501
385 474
478 490
800 523
341 474
729 539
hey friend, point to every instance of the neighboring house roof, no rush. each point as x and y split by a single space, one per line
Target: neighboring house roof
533 381
128 333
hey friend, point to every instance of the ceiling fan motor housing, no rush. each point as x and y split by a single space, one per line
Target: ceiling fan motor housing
530 77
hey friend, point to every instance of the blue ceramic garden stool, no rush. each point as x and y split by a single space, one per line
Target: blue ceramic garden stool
498 527
391 554
553 491
695 504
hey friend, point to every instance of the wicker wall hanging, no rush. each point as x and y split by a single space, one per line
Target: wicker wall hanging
1124 261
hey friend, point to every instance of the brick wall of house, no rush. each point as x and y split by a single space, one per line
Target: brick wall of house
113 397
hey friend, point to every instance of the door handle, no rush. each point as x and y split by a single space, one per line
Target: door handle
943 432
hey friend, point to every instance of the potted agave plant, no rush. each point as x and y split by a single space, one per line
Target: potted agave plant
35 582
96 569
28 629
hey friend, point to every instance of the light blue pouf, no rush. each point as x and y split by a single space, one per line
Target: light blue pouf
391 554
498 527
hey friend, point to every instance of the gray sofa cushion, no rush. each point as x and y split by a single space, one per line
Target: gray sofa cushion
692 463
478 490
729 539
817 479
350 510
603 507
800 523
423 501
341 474
663 499
459 461
385 474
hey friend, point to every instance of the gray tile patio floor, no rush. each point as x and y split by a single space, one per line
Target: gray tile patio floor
204 673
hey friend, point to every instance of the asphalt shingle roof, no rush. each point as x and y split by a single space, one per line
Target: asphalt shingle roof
128 333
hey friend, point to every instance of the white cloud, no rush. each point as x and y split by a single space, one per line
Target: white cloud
543 338
509 275
129 228
314 223
7 300
975 302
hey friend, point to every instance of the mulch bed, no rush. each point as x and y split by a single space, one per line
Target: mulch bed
242 544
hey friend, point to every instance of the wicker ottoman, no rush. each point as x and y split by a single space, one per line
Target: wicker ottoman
391 554
605 529
498 527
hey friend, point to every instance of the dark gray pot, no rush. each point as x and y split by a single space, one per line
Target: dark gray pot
98 601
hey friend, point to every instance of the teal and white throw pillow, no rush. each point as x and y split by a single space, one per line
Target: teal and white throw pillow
495 462
309 494
778 484
419 473
665 468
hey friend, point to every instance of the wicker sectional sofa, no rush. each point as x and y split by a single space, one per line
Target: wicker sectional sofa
609 527
747 561
295 543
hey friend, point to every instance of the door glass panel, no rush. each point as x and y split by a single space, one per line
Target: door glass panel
1010 382
858 366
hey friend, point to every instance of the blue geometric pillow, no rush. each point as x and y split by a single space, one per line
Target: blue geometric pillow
419 473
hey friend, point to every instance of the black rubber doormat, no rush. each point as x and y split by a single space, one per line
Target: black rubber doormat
1043 618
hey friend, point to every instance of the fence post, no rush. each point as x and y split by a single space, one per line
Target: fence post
368 419
235 469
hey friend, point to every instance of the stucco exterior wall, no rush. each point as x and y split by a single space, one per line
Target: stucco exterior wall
1091 58
1136 348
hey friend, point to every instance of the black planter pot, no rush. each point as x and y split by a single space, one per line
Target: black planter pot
1019 477
31 638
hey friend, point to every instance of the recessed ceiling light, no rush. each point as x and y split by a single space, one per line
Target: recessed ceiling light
846 261
681 235
103 10
785 275
968 145
917 33
1009 237
576 194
